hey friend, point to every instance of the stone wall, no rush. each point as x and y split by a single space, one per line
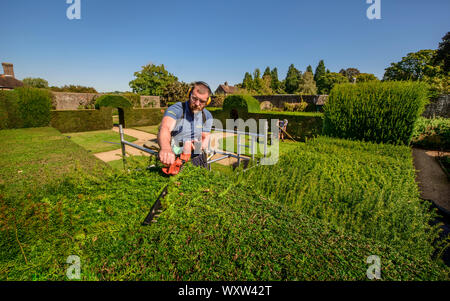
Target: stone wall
438 107
71 101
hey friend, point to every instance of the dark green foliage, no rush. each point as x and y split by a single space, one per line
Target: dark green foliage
143 117
245 103
432 133
292 80
366 188
374 111
69 121
443 53
34 106
10 116
326 82
320 70
114 101
152 80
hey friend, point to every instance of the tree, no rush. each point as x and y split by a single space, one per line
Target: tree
267 72
257 81
292 80
443 53
276 84
413 67
320 70
350 73
174 92
247 83
307 84
35 82
309 69
152 80
365 77
327 82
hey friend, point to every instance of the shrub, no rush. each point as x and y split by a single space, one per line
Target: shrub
9 110
241 102
115 101
34 106
432 133
295 107
374 111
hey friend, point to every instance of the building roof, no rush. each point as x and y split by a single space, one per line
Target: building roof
227 89
9 82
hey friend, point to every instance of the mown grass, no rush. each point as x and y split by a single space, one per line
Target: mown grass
36 156
94 141
151 129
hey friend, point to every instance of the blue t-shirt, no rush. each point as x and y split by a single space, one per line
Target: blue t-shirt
191 126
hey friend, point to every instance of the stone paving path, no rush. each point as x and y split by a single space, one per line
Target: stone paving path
432 180
117 154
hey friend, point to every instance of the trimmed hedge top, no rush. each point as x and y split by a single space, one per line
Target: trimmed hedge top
375 111
241 102
115 101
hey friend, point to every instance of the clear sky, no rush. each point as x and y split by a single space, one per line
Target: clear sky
214 41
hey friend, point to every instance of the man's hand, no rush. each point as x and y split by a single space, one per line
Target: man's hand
167 156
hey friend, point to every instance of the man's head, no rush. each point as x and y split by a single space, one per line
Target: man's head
199 96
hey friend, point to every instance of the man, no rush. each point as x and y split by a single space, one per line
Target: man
186 126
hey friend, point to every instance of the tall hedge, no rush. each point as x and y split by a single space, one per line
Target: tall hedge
241 102
374 111
25 107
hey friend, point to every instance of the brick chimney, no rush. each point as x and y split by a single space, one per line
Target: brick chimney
226 83
8 69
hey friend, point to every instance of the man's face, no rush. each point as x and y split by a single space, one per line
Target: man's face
198 99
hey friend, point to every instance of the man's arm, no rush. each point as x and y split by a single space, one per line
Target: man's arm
166 154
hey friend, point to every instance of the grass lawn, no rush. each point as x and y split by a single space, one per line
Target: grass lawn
151 129
93 141
37 156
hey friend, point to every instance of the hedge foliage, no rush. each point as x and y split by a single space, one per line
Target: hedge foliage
362 187
374 111
432 133
115 101
245 103
70 121
143 117
212 228
25 107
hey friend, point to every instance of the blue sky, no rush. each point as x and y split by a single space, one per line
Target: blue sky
214 41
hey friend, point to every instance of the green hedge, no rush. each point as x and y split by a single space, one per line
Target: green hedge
115 101
10 117
25 107
433 133
69 121
245 103
374 111
143 117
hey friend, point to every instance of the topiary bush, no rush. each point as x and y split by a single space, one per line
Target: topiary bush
241 102
134 98
375 111
295 107
116 101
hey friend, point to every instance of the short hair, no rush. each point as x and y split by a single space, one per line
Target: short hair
203 88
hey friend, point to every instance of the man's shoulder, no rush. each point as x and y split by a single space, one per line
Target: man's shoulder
207 113
175 110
